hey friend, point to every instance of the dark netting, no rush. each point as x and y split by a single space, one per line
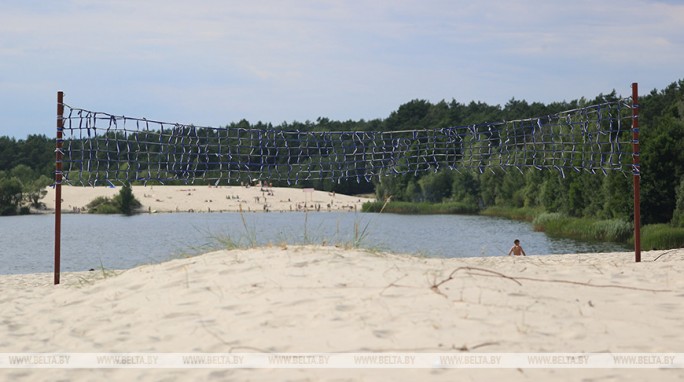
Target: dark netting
103 149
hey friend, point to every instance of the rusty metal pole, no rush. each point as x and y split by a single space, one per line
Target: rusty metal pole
636 170
58 184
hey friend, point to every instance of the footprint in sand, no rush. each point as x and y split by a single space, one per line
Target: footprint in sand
383 333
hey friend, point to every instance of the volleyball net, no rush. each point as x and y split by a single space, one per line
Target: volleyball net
105 149
96 148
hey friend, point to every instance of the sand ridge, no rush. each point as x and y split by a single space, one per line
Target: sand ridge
212 199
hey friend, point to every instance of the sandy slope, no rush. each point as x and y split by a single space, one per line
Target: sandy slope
326 299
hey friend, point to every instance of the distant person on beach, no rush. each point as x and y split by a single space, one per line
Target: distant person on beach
516 249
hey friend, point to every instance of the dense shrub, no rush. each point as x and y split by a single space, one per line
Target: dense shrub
123 203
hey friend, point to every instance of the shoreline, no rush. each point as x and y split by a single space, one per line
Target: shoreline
590 258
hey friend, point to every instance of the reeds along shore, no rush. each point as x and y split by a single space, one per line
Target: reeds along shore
326 299
654 236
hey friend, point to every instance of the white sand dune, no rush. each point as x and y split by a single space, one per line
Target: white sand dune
212 199
327 299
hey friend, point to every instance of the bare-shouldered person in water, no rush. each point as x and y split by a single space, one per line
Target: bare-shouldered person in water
516 249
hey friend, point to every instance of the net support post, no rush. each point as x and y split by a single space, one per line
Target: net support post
58 184
636 170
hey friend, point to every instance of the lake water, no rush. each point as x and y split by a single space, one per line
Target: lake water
119 242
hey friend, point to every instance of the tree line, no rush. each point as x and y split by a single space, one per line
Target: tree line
26 168
578 194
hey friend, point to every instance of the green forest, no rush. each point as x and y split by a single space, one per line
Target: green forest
567 204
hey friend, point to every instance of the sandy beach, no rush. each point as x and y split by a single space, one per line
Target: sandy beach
326 299
158 199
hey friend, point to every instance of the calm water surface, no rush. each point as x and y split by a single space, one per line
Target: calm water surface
118 242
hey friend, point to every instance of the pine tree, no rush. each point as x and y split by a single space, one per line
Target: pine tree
126 200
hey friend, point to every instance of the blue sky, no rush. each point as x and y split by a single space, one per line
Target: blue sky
212 62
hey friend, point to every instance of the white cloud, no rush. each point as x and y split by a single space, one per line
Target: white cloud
282 60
